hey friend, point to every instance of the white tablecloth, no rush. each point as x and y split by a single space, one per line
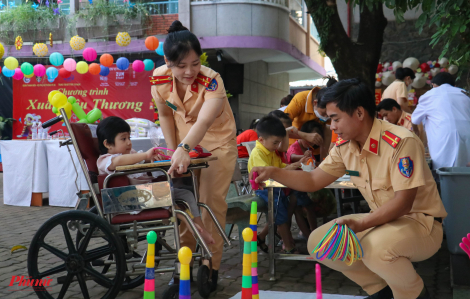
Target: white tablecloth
39 166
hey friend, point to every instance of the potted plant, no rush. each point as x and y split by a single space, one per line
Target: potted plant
3 123
102 19
32 22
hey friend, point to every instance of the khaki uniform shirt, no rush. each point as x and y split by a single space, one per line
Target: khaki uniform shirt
208 85
405 121
395 91
392 160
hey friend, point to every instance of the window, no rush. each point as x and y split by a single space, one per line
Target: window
297 10
161 7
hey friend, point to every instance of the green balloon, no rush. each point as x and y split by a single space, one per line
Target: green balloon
151 237
93 115
78 110
54 110
27 68
148 64
71 100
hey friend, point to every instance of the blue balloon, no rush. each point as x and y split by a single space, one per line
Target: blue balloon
50 80
52 73
159 50
149 65
56 59
104 70
7 73
122 63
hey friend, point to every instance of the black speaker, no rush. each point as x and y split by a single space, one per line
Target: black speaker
233 78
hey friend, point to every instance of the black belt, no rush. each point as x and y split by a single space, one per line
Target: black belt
438 219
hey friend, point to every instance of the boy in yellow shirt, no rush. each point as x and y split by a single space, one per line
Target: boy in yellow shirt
271 134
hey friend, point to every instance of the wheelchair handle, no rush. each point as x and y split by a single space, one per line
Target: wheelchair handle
51 122
53 132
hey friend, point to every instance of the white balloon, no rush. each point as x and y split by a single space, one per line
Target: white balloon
419 82
378 84
396 64
388 78
435 71
453 69
444 62
412 63
386 64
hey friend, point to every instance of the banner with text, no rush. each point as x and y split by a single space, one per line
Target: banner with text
122 93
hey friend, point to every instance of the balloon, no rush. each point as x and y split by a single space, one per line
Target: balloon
82 67
18 74
378 83
39 70
77 43
396 64
50 80
122 63
390 68
424 67
94 69
40 49
106 60
104 70
443 70
159 50
2 51
444 62
379 68
27 68
428 82
453 69
151 43
29 76
76 108
11 63
63 73
437 64
138 66
435 71
388 78
70 64
419 82
418 70
52 73
411 62
89 54
386 65
7 72
51 95
93 115
123 39
148 65
429 62
56 59
58 100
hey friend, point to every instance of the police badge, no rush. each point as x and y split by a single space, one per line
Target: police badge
405 165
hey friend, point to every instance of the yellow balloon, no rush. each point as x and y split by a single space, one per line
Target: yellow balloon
11 63
68 109
247 234
185 255
52 94
59 100
29 76
82 67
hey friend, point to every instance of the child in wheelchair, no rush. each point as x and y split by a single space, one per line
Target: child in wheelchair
116 149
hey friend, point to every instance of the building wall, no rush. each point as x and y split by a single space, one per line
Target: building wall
262 93
161 23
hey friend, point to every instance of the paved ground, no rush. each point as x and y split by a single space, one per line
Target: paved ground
19 224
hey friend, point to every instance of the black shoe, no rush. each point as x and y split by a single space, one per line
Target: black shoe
426 295
215 277
385 293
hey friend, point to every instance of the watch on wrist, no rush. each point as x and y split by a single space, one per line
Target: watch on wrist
185 147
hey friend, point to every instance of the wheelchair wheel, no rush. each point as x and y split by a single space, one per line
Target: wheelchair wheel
53 257
203 281
171 292
131 281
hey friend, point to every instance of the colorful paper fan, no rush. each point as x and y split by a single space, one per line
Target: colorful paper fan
339 243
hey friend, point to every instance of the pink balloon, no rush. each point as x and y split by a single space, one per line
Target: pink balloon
70 64
18 74
138 66
89 54
443 70
390 68
39 70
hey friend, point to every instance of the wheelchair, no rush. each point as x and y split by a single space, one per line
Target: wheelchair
76 253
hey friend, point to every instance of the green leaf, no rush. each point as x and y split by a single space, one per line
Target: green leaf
463 28
455 28
421 21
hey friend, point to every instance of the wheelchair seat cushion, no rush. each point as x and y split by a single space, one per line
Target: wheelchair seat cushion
145 215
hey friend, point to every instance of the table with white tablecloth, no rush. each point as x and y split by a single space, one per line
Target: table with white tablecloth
37 167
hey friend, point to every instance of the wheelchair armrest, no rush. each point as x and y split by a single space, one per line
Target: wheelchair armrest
118 181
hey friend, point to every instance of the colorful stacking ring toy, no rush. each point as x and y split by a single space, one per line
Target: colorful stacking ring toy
340 243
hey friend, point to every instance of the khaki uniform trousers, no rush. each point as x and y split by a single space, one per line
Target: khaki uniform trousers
389 250
214 183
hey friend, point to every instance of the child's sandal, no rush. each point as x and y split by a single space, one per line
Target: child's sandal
262 244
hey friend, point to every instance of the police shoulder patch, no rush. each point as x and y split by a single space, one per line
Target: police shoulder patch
406 167
340 141
213 85
390 138
157 80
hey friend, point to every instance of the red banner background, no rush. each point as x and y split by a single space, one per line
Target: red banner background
122 93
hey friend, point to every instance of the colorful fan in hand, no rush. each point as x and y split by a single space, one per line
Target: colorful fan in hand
339 243
465 245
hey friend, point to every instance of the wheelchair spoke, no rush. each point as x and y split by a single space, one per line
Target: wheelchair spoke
103 280
86 239
97 253
54 251
83 286
52 271
65 286
68 238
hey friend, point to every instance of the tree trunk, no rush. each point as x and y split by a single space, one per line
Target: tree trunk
350 59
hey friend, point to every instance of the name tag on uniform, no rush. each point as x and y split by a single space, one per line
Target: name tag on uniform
171 105
352 172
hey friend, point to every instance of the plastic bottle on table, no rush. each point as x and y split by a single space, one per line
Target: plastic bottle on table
34 131
136 132
40 131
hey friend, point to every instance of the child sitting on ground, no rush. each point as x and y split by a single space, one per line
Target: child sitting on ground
116 150
271 133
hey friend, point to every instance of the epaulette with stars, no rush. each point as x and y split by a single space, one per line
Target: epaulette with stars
340 141
157 80
390 138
